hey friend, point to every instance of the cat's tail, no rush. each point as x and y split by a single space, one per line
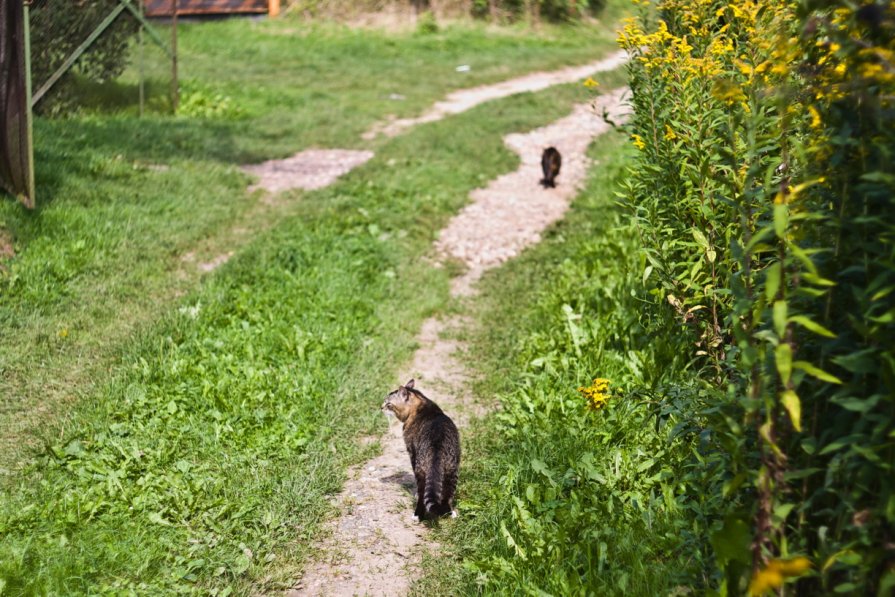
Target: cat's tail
433 492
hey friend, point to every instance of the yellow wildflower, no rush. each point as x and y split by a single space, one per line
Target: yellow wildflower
771 577
597 394
765 580
727 91
638 141
815 117
669 133
795 567
590 83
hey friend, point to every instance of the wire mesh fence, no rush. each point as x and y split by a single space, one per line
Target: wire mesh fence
66 56
99 57
88 54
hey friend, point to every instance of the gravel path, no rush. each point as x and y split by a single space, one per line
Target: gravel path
310 169
464 99
375 547
511 212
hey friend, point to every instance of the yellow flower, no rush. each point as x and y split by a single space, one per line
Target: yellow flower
765 580
771 576
815 117
597 394
727 91
669 133
795 567
638 141
63 333
590 83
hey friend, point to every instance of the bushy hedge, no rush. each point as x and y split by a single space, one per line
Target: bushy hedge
764 192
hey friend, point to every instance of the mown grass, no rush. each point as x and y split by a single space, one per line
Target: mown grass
201 462
123 199
558 498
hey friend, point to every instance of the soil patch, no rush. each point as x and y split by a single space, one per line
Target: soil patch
6 247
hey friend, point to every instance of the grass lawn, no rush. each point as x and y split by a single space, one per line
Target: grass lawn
182 434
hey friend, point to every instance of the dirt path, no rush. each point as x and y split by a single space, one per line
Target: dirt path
374 547
465 99
310 169
316 168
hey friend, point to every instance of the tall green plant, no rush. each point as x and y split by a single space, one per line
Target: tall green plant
764 175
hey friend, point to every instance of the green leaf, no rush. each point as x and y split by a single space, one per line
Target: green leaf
157 518
812 326
817 280
731 541
647 272
700 238
540 467
783 359
803 258
863 361
816 372
856 404
793 406
781 219
780 311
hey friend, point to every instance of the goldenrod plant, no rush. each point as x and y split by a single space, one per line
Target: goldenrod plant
763 192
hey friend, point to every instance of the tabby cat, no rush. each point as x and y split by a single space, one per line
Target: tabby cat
433 443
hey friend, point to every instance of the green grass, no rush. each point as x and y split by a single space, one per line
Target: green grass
295 85
196 453
122 199
557 498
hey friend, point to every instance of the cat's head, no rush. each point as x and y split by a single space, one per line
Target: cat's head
401 402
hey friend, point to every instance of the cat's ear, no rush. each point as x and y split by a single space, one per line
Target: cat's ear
409 385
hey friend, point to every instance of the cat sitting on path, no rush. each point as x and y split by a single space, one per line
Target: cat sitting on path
551 160
433 443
